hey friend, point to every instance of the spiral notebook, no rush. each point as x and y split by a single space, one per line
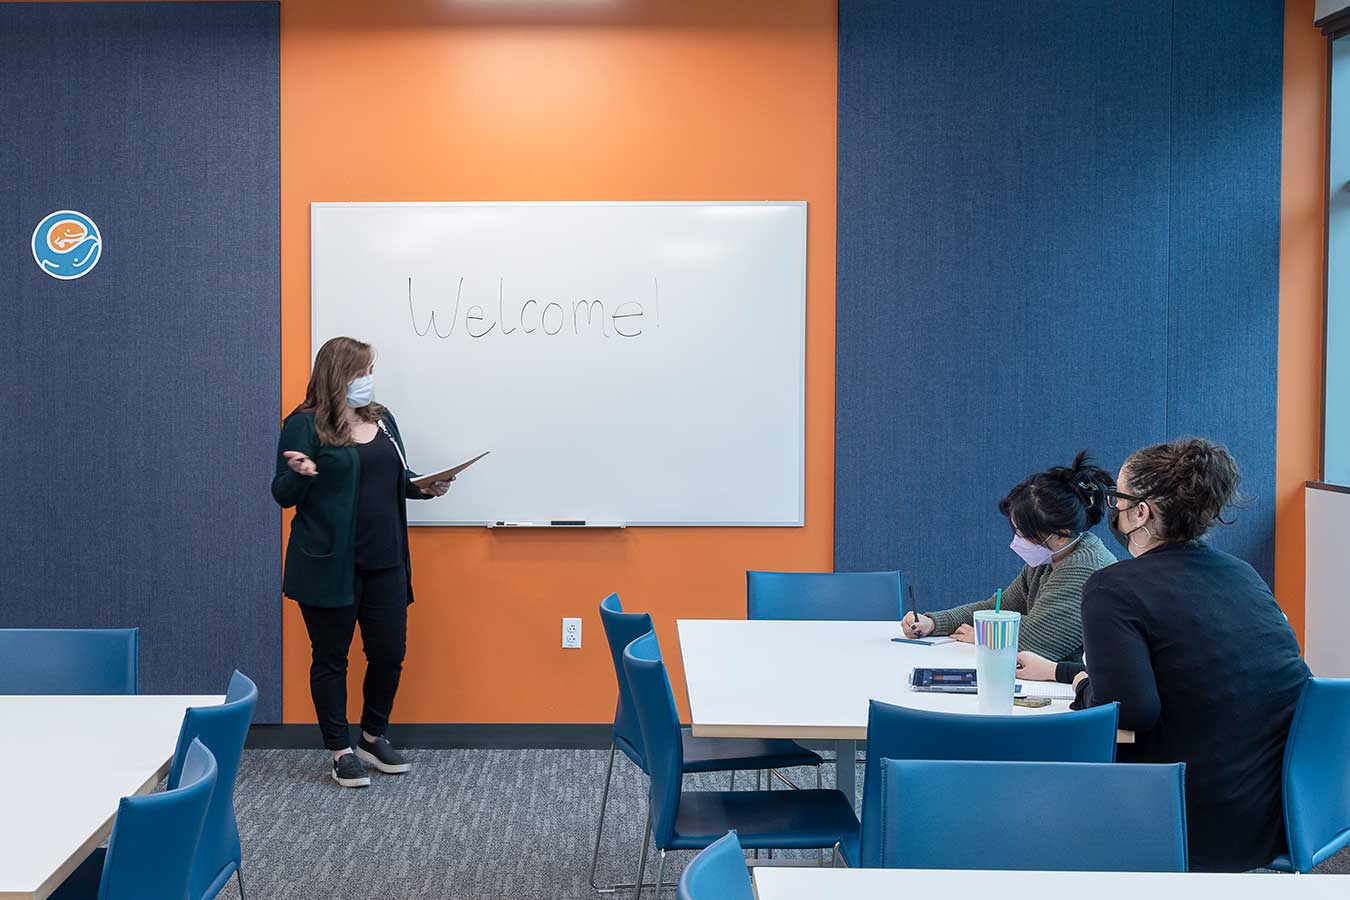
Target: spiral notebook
1052 689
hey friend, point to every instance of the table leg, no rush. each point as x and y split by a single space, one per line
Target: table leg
844 771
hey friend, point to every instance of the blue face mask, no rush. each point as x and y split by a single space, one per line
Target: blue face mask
361 391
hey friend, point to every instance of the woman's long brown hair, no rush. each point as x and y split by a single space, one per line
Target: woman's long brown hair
339 361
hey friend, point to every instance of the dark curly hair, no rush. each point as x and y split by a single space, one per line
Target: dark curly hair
1062 500
1189 483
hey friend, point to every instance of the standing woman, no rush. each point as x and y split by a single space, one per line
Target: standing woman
1191 643
341 464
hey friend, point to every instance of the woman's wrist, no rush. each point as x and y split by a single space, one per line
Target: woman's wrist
1066 671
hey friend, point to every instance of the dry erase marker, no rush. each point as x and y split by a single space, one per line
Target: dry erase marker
515 524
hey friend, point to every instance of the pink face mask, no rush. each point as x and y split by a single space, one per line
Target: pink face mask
1032 554
1036 554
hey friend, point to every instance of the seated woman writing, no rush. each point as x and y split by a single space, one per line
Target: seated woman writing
1050 514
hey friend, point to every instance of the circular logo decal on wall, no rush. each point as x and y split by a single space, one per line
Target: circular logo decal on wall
67 245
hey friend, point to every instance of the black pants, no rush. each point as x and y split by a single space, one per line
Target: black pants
381 608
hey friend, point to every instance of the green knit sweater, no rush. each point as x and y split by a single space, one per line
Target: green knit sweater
1050 599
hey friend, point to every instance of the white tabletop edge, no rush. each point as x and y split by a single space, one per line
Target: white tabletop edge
876 884
807 680
178 704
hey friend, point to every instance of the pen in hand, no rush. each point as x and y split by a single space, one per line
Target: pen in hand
913 630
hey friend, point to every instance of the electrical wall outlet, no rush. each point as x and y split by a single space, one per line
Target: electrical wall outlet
571 633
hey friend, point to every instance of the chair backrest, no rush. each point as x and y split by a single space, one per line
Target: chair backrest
655 702
1089 817
897 732
621 629
68 660
717 873
825 596
155 836
1317 773
222 729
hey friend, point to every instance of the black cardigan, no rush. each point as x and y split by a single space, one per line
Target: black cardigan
1191 643
320 565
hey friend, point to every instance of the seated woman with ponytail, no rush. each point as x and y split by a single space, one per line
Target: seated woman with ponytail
1192 645
1050 514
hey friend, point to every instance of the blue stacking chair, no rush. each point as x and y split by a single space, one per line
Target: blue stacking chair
698 754
1089 817
68 660
897 732
823 596
676 820
1317 775
154 839
223 730
717 873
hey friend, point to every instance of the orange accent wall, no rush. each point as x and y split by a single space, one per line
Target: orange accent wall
1302 273
636 100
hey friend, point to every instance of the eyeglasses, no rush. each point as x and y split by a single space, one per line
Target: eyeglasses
1114 494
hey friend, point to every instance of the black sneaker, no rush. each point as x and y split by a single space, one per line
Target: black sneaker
382 755
348 771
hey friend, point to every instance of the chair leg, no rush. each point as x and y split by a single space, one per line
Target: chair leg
599 829
820 857
642 857
660 868
732 785
768 784
239 874
759 786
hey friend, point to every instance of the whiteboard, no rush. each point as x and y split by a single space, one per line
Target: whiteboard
626 363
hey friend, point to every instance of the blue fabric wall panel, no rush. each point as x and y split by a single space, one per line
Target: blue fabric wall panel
143 420
1002 242
1225 239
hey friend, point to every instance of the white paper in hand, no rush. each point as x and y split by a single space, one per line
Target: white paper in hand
447 474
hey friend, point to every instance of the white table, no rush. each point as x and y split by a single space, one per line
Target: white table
887 884
67 762
812 680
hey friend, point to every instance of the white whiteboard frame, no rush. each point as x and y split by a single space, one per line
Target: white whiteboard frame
801 387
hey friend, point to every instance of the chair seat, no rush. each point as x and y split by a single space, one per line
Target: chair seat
726 754
731 754
764 820
1284 863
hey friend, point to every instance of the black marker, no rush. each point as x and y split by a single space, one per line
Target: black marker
568 522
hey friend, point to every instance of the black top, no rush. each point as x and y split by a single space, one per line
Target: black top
1207 671
379 500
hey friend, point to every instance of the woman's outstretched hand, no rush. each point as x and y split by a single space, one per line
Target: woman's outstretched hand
300 463
436 488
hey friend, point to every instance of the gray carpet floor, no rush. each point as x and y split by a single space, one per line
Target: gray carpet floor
464 825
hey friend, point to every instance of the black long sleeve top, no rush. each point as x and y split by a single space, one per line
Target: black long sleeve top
1191 643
